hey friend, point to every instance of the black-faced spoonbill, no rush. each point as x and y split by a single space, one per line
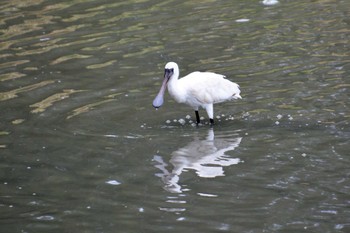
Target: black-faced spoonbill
197 89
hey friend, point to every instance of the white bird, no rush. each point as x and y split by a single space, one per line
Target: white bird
197 89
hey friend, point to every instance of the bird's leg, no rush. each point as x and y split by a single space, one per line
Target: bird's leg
198 120
211 121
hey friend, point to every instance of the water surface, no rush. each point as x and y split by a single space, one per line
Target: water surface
82 149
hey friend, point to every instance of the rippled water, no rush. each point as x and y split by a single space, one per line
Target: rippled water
82 149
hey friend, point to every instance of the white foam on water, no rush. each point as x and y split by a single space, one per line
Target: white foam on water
207 195
45 218
242 20
110 136
270 2
182 121
181 219
113 182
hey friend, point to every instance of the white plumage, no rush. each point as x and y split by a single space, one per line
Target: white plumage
197 89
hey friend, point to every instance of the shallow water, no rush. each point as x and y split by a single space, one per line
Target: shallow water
82 149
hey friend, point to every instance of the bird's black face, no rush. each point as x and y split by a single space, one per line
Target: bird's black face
168 73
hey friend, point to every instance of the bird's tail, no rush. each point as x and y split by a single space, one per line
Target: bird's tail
236 96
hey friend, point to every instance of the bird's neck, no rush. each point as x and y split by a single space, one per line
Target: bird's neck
175 89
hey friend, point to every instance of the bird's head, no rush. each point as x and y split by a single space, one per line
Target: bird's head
170 69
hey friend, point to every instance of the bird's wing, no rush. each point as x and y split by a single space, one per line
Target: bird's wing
208 88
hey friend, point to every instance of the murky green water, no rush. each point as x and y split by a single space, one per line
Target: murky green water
82 149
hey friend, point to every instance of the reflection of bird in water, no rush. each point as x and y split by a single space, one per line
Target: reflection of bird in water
207 157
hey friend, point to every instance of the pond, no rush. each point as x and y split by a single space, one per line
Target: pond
83 150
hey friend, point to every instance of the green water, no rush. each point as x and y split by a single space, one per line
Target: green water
83 150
